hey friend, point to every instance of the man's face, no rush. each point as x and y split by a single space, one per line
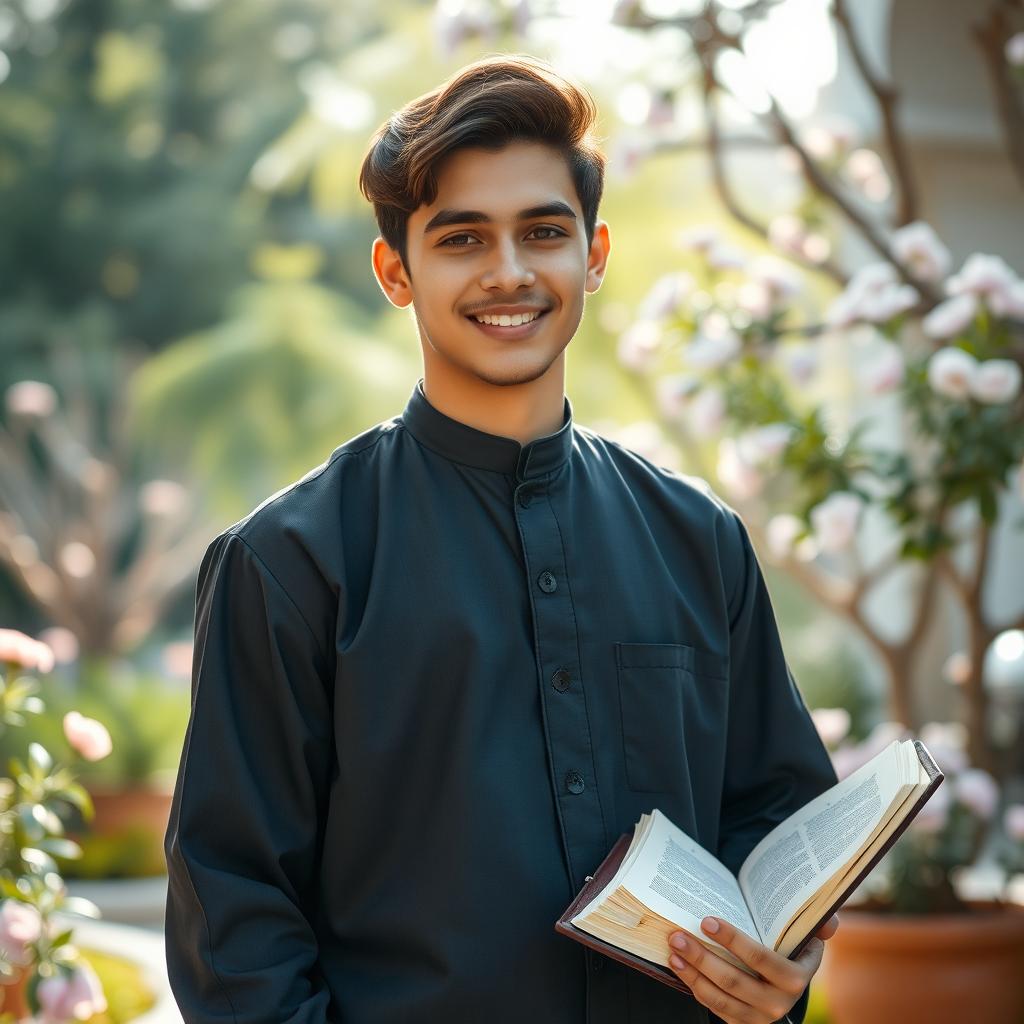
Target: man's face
504 236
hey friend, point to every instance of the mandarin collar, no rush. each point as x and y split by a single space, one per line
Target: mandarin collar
465 444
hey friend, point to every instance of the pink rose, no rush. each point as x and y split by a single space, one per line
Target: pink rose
996 381
24 651
951 372
978 792
835 520
1013 822
832 724
75 996
20 925
87 736
885 373
740 479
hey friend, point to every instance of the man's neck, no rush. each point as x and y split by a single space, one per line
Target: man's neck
520 411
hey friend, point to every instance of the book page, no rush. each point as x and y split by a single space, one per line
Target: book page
676 877
797 857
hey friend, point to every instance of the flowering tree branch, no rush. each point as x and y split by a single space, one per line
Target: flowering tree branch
992 34
887 96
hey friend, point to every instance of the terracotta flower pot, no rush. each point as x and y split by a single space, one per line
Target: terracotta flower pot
928 969
136 804
14 997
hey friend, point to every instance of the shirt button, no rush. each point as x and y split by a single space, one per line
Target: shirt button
547 582
560 680
574 782
524 497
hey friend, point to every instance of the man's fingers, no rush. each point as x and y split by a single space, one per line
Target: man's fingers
788 975
731 994
829 928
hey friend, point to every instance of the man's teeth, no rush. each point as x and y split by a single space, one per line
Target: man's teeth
505 320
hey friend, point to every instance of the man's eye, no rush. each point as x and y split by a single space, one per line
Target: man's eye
544 227
451 241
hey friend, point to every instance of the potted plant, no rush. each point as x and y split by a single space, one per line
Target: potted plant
41 971
912 948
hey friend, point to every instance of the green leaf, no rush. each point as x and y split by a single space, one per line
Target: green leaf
31 825
60 940
39 758
38 859
60 847
78 795
82 906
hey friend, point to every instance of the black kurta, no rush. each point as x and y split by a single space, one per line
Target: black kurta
434 680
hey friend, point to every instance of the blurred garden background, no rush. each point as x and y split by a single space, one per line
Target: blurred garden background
809 201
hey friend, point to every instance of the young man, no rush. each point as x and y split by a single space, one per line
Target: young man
436 678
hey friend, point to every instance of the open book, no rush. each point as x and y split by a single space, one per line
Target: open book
660 880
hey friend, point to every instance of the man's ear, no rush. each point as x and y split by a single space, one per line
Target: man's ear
597 259
390 273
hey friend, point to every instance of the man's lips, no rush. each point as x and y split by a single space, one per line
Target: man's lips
509 333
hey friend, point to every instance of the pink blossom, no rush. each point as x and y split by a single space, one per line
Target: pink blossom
31 399
20 925
75 996
917 246
667 295
62 642
1009 302
779 277
996 381
787 233
162 498
723 256
886 372
862 165
761 445
982 274
708 352
24 651
874 294
978 792
950 317
707 412
800 360
673 394
833 724
740 479
700 238
947 743
835 520
933 816
781 533
951 372
1014 50
639 344
957 668
1013 817
87 736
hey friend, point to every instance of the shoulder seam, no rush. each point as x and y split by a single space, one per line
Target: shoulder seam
281 587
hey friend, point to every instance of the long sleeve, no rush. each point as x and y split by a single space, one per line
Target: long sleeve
775 760
242 845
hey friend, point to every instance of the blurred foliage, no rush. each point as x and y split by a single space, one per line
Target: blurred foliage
128 133
145 714
124 985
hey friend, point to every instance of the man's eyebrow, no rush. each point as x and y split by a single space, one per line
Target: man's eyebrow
446 218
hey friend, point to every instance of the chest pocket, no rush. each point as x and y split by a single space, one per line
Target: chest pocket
673 700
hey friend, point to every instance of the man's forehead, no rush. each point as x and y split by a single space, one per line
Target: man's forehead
502 183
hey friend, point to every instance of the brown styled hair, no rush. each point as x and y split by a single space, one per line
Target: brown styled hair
488 104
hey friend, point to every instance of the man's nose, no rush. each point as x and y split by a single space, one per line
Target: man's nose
508 268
